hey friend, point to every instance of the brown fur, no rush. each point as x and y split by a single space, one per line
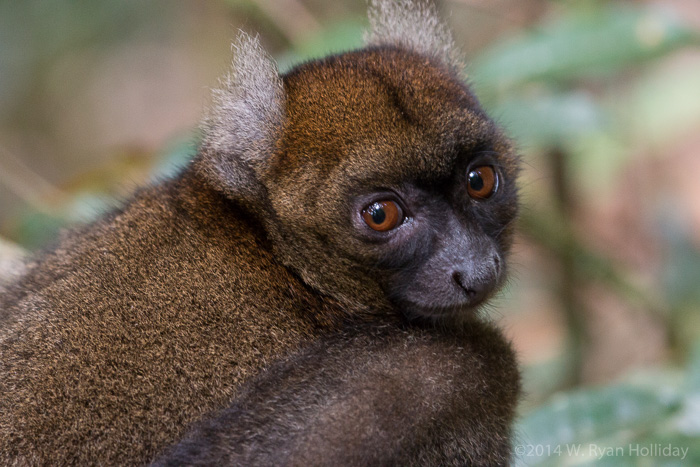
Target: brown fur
150 318
379 395
131 328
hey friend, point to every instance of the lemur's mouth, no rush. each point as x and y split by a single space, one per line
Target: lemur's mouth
419 312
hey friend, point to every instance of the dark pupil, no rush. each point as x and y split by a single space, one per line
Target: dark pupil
475 181
377 213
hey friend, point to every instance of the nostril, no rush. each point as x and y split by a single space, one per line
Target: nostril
457 276
497 264
471 293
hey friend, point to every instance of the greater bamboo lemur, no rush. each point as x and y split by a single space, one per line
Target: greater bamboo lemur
313 275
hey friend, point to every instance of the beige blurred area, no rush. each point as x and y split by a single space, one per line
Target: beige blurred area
91 104
100 97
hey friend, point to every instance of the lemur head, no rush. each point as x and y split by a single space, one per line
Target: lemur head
379 178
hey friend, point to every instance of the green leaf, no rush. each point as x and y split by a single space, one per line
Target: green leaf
548 119
603 41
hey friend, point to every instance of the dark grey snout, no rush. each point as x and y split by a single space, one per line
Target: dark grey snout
478 281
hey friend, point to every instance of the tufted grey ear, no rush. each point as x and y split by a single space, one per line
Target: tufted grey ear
245 120
414 25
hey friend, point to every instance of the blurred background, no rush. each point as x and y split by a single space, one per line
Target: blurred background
601 97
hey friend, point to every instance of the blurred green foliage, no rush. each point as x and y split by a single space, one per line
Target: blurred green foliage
583 43
585 427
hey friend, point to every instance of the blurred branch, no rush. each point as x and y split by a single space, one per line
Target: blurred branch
569 280
577 264
548 230
27 184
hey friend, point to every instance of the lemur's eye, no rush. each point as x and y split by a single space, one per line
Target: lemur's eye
383 215
482 182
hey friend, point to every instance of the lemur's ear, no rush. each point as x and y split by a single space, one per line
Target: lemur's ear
245 121
413 25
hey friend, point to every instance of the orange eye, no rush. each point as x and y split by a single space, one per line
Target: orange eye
482 182
383 215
